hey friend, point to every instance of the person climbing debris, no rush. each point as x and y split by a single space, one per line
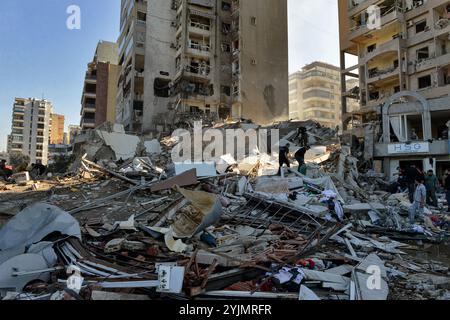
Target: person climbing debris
300 156
284 157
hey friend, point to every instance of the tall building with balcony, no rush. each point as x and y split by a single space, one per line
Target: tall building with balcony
132 56
98 101
30 131
57 129
315 93
403 54
215 59
72 132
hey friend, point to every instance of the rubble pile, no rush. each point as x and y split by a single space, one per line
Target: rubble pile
127 224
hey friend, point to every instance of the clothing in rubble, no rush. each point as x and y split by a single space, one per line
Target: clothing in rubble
284 160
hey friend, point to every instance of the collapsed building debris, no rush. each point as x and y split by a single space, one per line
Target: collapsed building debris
127 223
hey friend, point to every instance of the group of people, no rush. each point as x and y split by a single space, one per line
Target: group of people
303 139
299 156
422 189
6 171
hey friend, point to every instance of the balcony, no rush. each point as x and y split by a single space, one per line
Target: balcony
197 73
199 50
361 30
199 29
89 107
429 63
391 46
87 123
92 95
90 78
386 74
360 6
435 92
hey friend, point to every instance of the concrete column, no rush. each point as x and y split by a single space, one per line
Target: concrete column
427 134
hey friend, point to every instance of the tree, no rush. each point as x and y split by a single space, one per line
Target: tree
19 161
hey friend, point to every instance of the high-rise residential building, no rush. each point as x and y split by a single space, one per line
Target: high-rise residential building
402 49
72 132
203 58
315 93
57 129
31 128
132 39
98 101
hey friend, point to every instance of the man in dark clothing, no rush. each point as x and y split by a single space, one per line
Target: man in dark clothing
447 191
38 169
284 157
431 184
300 156
5 173
411 176
302 136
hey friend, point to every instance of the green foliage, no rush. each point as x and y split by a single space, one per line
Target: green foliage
19 161
61 164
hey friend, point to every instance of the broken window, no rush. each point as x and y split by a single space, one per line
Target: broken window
424 82
161 87
226 47
421 26
226 90
406 128
396 63
374 95
226 28
371 48
226 6
423 53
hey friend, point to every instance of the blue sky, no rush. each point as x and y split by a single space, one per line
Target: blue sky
39 56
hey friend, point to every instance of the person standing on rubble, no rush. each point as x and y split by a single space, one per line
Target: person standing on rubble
300 156
5 172
284 157
420 196
431 184
302 136
447 190
411 176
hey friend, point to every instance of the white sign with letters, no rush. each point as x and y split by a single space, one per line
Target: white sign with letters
414 147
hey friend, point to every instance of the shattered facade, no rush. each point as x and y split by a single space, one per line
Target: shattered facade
206 63
403 70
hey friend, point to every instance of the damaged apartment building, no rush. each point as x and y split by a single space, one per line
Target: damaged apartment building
98 99
403 67
315 93
202 59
